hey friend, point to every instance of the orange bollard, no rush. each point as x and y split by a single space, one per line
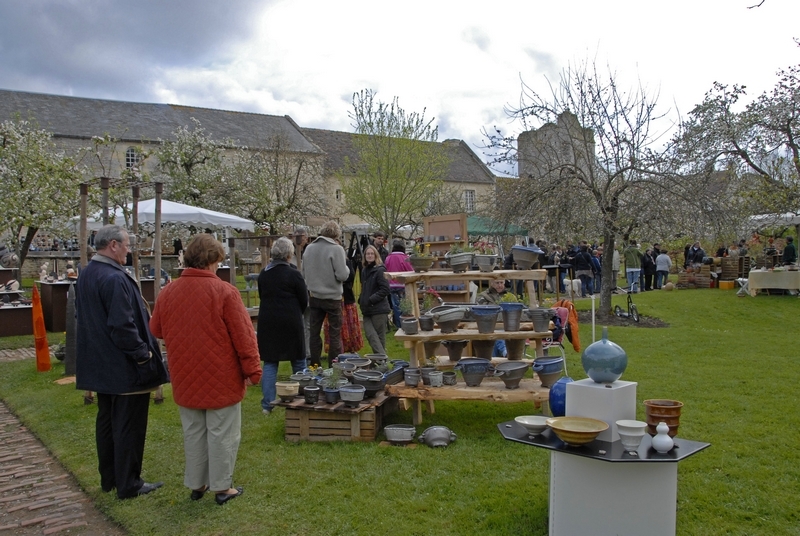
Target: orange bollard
40 334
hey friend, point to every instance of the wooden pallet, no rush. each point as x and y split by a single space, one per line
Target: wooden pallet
336 422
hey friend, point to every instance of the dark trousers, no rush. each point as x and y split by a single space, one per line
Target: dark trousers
648 281
120 431
318 310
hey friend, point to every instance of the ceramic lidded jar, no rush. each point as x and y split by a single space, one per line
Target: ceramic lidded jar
604 361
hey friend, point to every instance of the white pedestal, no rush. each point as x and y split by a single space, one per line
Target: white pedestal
589 496
608 402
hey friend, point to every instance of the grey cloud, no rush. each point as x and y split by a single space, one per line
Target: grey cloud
114 48
477 37
544 61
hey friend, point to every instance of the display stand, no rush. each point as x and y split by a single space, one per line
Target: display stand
441 233
6 275
416 343
54 304
16 320
633 494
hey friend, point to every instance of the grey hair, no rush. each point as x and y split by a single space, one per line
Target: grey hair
300 230
108 233
282 249
331 229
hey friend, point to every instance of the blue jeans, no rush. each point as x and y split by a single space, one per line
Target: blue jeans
662 277
633 279
586 285
269 378
396 296
499 349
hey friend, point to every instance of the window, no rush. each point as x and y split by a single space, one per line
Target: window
338 194
132 158
469 200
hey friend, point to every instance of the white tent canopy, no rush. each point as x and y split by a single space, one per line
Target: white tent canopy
172 212
787 219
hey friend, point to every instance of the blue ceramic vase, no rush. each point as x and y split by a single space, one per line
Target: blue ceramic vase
558 397
604 361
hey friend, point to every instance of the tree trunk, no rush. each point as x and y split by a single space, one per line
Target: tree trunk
606 284
24 247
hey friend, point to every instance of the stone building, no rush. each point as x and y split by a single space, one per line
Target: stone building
138 127
555 145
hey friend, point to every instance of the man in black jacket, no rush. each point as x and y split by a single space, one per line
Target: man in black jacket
119 358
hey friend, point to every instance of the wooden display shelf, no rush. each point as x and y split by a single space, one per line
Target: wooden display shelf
492 390
336 422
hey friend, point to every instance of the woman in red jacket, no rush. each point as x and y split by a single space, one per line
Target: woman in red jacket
213 357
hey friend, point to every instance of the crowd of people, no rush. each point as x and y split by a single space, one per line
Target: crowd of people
214 354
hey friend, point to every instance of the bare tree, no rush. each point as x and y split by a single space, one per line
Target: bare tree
596 164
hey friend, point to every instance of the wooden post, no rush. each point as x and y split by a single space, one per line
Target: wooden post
232 253
157 242
104 184
135 227
83 235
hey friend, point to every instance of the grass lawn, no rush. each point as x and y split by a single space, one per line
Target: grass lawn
731 360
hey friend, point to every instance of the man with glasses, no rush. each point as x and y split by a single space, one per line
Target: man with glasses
119 358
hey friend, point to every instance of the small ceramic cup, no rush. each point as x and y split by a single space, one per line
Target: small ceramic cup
436 378
449 378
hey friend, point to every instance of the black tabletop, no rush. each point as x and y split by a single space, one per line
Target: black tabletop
601 450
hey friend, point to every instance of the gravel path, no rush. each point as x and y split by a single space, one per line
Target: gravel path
37 495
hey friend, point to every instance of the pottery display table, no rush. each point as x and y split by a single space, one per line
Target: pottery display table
16 320
764 280
336 422
600 489
54 304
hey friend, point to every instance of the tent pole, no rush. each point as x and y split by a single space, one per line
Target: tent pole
157 242
135 235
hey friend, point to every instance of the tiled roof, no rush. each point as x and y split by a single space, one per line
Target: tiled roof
465 166
76 117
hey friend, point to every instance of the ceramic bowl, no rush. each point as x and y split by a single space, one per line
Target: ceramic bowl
287 390
576 431
437 436
669 411
359 362
534 424
631 433
513 371
400 433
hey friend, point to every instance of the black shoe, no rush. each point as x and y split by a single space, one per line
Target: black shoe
197 494
222 498
147 488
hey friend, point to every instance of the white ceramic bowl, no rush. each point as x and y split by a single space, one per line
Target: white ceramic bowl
631 433
534 424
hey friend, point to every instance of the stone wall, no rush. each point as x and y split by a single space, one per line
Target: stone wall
59 260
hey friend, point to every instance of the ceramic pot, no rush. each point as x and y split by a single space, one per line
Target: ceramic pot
352 395
631 433
399 433
346 368
436 378
410 326
483 349
486 317
311 394
372 380
558 397
287 390
548 365
302 379
449 378
361 363
486 263
378 359
455 349
426 374
515 349
604 361
331 394
512 314
474 370
662 441
341 358
412 377
421 263
548 379
437 436
448 317
512 373
668 411
426 322
459 262
430 348
540 318
525 257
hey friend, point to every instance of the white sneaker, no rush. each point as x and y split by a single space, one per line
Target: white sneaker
266 411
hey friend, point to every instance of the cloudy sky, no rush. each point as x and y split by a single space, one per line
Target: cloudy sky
461 60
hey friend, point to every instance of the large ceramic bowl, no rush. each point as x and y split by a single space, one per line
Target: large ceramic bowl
437 436
400 433
576 431
359 362
534 424
513 371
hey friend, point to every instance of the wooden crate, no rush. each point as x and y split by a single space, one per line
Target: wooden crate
727 285
336 422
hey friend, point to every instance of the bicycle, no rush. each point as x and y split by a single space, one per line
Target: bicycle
633 312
